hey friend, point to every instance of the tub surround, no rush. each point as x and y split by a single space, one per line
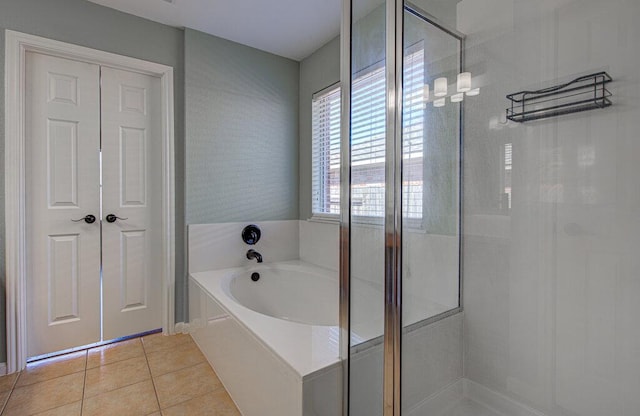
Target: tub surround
270 366
320 243
295 366
305 348
220 246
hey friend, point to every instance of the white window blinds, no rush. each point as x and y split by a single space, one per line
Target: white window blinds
326 151
368 143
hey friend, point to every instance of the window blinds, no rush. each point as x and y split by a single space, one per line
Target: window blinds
368 143
326 151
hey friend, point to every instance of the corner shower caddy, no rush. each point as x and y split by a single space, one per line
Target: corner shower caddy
584 93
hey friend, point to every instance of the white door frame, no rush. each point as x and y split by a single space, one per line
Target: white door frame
16 46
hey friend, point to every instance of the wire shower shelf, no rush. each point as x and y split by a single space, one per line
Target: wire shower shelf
584 93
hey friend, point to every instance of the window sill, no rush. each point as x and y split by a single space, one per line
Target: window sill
369 222
325 218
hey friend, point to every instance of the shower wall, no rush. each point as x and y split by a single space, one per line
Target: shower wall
552 210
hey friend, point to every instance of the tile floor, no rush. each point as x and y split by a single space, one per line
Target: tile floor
154 375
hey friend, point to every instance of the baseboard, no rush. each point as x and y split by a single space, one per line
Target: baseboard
3 369
439 402
496 401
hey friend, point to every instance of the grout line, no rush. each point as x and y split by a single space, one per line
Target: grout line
84 381
169 348
153 383
181 369
121 386
13 387
54 408
21 373
117 362
194 397
214 390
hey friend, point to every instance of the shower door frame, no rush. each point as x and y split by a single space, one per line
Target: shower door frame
392 337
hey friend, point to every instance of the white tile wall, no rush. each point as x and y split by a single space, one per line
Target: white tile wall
551 288
430 269
219 246
432 363
320 243
432 360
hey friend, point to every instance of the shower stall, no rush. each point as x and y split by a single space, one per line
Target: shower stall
490 208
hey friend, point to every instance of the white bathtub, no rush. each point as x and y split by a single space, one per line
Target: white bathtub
273 342
294 292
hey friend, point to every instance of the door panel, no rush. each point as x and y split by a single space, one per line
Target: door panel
133 190
133 282
62 145
131 160
63 278
62 183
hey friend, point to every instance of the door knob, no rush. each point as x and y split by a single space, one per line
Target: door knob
89 219
113 218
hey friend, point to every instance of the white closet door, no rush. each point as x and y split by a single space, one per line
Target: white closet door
62 184
131 178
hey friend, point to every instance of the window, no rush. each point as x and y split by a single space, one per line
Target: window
326 151
507 150
368 143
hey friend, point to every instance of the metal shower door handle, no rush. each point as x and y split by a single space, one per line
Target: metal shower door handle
89 219
112 218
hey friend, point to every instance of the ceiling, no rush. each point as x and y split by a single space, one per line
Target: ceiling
289 28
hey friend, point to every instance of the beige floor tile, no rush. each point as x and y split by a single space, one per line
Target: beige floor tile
212 404
112 353
114 376
185 384
167 361
3 397
50 394
7 382
159 342
135 400
118 382
52 368
73 409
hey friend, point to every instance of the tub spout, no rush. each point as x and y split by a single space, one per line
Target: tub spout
252 254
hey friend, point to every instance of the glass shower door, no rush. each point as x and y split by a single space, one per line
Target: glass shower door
367 206
425 211
431 137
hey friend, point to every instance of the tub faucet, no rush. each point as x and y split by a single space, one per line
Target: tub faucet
252 254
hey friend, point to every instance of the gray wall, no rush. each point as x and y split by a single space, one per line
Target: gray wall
242 132
84 23
242 101
319 70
